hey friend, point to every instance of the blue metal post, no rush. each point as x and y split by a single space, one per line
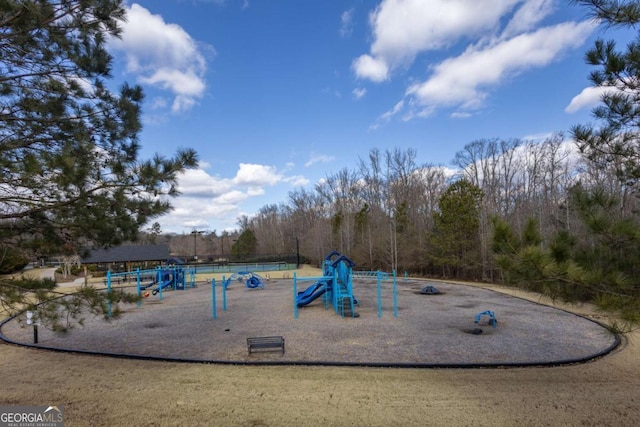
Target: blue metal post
379 297
351 304
108 293
224 294
138 286
213 298
395 295
336 290
328 295
160 281
295 295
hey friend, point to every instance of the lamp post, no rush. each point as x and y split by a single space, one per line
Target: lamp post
195 247
224 233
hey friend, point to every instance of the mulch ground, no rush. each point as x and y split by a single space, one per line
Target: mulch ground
428 330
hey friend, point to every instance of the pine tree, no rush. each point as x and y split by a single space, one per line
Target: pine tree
599 262
455 240
246 244
70 171
615 140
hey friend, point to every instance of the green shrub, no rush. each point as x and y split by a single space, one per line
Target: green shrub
11 260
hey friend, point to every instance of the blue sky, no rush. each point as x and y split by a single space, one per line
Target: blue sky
277 94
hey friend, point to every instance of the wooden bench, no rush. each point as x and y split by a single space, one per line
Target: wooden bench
265 344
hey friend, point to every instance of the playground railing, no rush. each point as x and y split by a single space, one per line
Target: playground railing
370 275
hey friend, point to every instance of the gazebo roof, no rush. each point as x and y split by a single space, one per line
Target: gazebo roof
128 253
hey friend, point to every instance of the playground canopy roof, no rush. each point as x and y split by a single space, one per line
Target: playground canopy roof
127 254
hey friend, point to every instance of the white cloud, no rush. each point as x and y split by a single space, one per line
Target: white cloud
182 103
404 28
346 23
297 181
388 115
318 158
185 83
198 183
589 97
163 55
209 199
368 67
232 197
158 102
464 80
528 16
395 110
461 115
257 175
538 137
359 92
503 39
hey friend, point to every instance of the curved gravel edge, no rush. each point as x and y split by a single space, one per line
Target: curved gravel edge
612 347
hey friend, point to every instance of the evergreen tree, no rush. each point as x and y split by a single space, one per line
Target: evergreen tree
455 241
599 262
615 141
246 244
70 172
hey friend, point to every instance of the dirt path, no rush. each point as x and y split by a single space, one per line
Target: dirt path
105 391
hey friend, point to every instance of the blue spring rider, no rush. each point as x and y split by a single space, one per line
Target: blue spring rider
250 280
429 290
490 314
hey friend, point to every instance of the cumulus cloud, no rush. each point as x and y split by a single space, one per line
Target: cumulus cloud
257 175
464 80
370 68
163 55
403 28
208 198
503 40
589 97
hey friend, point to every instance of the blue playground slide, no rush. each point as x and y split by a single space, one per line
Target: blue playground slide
311 293
167 280
148 285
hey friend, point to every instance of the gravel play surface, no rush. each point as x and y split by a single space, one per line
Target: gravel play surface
429 330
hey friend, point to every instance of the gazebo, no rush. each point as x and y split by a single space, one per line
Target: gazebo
127 255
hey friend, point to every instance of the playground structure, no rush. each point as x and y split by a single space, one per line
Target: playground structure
173 276
491 317
376 342
335 285
250 280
